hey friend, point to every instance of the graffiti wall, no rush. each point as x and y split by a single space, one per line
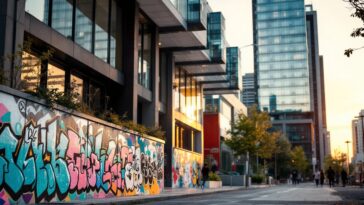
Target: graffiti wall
49 155
186 168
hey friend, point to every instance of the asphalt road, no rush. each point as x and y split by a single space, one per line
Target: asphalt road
283 194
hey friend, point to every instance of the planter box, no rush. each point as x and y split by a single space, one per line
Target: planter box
213 184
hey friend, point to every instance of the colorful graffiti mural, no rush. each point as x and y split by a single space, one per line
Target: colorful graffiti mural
49 155
186 168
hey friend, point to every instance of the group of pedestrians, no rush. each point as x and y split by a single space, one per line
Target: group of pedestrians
330 173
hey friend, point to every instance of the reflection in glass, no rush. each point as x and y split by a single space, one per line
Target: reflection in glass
38 8
94 97
115 35
83 33
55 78
77 87
144 53
101 29
30 72
62 17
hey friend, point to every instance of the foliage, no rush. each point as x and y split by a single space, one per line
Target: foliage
214 177
257 179
114 118
336 161
298 159
282 158
251 134
358 6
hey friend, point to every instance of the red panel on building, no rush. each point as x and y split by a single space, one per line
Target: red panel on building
211 126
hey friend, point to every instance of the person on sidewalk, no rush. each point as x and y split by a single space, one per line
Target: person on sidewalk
205 175
317 177
322 177
331 176
344 177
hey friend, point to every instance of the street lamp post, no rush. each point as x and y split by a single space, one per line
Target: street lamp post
347 156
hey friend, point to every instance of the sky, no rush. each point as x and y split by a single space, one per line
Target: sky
344 80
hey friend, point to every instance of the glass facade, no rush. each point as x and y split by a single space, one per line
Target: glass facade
233 66
30 72
187 95
144 53
281 55
94 25
216 36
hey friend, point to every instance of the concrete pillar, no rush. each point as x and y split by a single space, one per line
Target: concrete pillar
128 98
168 121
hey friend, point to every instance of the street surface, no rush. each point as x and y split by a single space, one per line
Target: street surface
305 193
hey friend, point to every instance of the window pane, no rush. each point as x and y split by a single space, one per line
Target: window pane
115 37
95 97
62 17
101 29
83 34
55 78
77 87
38 8
30 72
145 53
147 57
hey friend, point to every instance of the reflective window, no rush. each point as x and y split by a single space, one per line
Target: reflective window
62 17
101 29
144 53
55 78
115 36
38 8
94 97
30 72
77 87
83 32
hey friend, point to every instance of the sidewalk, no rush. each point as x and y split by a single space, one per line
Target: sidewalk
168 193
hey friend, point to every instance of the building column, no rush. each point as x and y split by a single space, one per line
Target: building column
128 99
12 15
169 122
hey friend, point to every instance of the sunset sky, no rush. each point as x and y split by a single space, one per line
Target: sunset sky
344 77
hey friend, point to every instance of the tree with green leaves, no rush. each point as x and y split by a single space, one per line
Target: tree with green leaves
252 134
299 160
282 158
335 161
358 6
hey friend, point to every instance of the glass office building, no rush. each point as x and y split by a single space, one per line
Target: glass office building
281 55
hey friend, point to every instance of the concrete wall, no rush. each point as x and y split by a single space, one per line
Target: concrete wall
51 155
186 168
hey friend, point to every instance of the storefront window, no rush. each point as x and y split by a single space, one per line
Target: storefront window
30 72
77 88
55 78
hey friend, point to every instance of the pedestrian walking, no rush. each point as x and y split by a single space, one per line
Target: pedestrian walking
322 177
331 176
294 177
317 177
205 175
344 177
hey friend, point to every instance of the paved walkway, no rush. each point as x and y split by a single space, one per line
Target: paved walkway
168 193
